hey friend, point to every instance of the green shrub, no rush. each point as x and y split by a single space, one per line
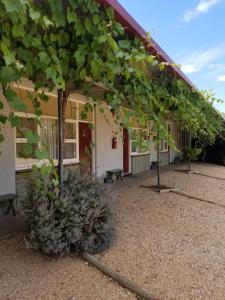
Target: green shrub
77 219
192 153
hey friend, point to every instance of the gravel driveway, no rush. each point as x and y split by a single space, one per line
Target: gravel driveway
169 244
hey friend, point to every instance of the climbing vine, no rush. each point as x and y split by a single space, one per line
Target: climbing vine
72 45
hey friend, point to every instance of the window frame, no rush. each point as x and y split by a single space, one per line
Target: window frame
27 165
137 152
27 161
164 142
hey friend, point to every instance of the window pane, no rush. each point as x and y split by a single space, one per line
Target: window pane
165 145
134 146
21 149
70 131
25 124
70 150
144 146
161 146
134 134
49 136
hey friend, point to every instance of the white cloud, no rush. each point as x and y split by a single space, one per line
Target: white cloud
188 69
221 78
202 7
196 61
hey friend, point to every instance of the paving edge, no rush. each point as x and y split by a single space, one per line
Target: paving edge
197 198
121 279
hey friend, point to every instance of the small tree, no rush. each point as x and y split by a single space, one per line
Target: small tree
191 154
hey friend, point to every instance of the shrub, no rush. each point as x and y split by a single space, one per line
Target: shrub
77 219
192 153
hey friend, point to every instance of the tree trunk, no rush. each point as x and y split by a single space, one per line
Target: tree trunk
189 159
158 162
62 101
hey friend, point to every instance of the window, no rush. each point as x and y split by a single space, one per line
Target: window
164 146
48 132
139 141
21 140
70 140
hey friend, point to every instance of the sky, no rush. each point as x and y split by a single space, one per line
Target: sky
192 32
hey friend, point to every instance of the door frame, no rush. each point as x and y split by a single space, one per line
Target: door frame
128 158
92 166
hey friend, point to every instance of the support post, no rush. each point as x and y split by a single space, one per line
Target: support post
60 137
158 162
189 159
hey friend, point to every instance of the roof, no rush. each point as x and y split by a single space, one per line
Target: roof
130 24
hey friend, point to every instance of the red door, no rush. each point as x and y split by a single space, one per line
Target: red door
85 147
125 151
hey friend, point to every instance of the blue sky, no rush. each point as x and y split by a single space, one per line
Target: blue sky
192 32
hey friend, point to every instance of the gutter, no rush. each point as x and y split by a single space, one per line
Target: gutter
130 24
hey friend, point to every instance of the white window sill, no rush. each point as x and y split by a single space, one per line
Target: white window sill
139 154
27 165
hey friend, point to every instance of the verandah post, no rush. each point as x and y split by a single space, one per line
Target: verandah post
158 162
60 137
189 158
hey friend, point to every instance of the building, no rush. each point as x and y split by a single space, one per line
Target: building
111 151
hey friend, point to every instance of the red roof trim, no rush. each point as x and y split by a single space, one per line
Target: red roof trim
133 27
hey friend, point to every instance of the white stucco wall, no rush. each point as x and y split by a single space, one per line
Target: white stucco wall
106 157
7 155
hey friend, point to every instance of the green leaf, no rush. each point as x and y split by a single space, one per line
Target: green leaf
46 169
8 74
1 105
96 19
35 15
10 94
18 105
47 21
3 119
88 25
124 44
103 38
32 137
41 154
80 58
1 138
13 5
18 30
8 55
91 126
71 16
27 149
82 73
14 120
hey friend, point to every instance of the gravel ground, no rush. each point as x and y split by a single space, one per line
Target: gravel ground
27 275
166 243
171 245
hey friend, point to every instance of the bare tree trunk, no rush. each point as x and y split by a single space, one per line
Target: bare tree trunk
60 137
158 162
62 101
189 159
